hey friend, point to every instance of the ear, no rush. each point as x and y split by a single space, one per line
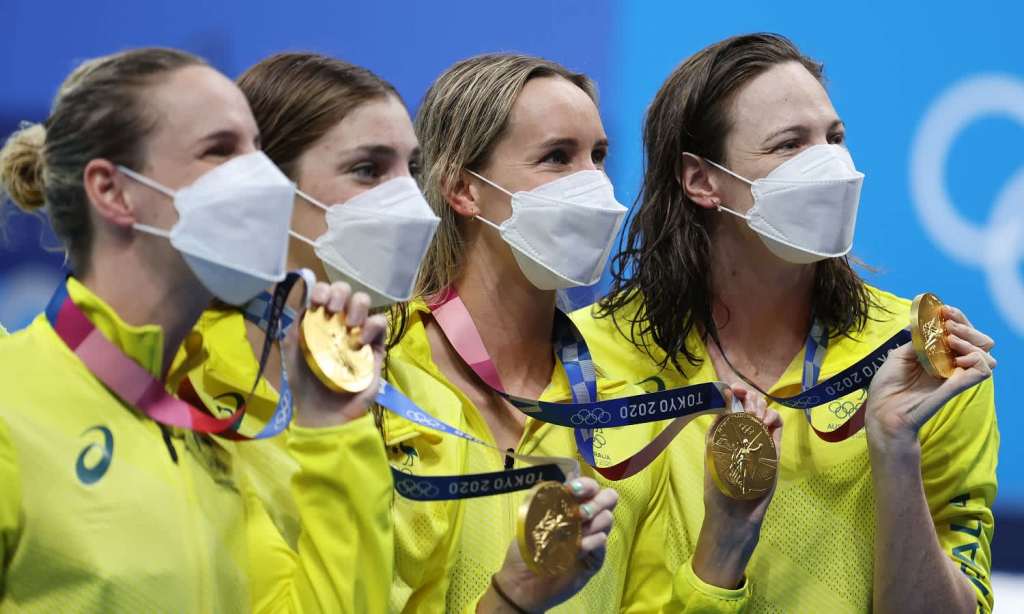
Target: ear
104 186
698 183
463 195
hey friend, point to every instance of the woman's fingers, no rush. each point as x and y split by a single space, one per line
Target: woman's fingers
963 349
951 313
357 310
320 294
374 331
605 499
970 335
583 489
602 523
339 293
594 544
977 360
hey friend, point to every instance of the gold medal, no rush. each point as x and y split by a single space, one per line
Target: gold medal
929 336
334 353
550 529
741 456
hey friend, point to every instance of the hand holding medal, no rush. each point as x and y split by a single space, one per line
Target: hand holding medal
342 349
947 356
562 533
741 467
742 455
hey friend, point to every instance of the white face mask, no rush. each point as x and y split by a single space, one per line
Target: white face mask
232 226
376 240
805 210
561 232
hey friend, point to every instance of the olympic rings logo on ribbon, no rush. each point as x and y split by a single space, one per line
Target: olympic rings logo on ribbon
804 402
588 417
997 247
843 409
414 489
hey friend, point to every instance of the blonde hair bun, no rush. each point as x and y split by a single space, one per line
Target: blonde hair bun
21 167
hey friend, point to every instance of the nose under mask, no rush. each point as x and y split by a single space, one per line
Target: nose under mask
805 210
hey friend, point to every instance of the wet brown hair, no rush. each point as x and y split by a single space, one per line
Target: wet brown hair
665 258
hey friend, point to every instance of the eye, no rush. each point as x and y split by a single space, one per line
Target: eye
415 169
556 156
790 145
366 171
220 150
599 155
837 138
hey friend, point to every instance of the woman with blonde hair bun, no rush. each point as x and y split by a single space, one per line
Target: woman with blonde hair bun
117 496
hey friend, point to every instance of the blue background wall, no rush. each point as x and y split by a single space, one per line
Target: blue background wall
890 66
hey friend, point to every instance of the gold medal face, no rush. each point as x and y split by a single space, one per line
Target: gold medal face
929 336
550 529
741 456
334 353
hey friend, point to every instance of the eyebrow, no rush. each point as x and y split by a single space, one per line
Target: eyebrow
370 151
568 142
220 135
800 129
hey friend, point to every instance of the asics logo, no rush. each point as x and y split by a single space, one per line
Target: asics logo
94 459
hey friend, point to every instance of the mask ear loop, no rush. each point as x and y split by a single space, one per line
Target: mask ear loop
316 203
153 185
720 208
496 187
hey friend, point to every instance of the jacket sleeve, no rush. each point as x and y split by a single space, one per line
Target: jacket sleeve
652 586
345 554
692 595
10 505
959 447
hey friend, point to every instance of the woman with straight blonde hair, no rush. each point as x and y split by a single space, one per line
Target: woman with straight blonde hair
494 128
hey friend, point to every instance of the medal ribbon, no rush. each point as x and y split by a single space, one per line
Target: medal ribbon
440 488
681 405
137 387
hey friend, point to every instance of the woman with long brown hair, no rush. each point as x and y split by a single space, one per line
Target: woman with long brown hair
343 135
736 268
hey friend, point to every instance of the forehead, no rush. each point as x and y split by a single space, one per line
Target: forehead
380 121
785 94
195 101
553 106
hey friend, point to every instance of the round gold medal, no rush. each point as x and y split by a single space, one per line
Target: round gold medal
550 529
335 353
928 334
741 456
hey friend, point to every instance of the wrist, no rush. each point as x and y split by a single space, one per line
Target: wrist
887 443
722 553
505 596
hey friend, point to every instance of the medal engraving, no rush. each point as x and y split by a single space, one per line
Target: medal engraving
549 529
928 333
741 456
335 353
